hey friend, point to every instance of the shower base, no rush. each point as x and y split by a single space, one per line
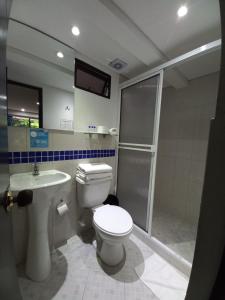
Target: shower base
175 233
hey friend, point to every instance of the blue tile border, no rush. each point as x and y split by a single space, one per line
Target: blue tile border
58 155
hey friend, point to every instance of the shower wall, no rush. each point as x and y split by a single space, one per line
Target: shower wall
183 138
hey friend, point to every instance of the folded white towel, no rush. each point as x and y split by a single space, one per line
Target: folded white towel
93 176
94 168
78 179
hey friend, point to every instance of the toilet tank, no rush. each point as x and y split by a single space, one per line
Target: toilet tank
94 193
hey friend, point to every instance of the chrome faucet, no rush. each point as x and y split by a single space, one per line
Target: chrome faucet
35 169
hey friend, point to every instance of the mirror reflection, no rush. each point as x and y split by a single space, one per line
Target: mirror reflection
40 73
24 105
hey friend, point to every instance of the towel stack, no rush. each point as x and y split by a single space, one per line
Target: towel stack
92 172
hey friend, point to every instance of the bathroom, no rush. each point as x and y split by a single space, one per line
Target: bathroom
105 192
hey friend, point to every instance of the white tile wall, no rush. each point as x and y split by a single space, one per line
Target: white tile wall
183 139
60 228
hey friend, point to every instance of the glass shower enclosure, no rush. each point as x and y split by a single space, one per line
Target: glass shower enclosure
162 149
139 124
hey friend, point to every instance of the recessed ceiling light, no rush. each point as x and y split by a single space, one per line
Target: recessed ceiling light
182 11
75 30
38 103
60 54
22 109
203 48
3 97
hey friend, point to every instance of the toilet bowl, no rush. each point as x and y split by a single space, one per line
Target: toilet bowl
113 224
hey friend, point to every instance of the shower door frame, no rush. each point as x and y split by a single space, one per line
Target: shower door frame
204 49
151 148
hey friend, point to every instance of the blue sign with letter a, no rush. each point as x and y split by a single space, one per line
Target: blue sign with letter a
38 138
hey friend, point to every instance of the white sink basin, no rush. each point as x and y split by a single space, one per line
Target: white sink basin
46 187
27 181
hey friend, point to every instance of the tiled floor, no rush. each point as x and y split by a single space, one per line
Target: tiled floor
78 274
175 233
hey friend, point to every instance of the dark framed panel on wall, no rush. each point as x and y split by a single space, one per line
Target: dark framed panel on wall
25 105
91 79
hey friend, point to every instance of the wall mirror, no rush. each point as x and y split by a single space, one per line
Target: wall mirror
40 72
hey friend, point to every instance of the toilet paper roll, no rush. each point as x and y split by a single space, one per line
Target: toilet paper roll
113 131
102 129
62 208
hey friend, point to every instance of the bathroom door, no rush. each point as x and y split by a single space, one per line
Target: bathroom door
139 124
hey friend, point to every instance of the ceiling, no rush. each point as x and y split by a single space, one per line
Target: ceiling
143 33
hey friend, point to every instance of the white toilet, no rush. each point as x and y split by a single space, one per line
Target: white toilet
112 224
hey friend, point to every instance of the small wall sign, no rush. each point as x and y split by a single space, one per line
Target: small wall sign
38 138
66 124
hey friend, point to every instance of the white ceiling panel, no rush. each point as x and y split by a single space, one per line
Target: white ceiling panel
56 18
142 33
174 36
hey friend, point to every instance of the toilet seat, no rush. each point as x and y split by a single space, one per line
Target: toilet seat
113 220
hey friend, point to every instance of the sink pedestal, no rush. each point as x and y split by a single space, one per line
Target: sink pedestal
46 187
38 263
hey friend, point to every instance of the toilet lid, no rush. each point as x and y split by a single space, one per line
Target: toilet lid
113 219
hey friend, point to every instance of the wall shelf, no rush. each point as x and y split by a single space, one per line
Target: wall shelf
92 132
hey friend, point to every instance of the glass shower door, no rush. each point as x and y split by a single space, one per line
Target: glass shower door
139 122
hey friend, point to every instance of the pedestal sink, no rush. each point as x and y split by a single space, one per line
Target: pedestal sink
45 186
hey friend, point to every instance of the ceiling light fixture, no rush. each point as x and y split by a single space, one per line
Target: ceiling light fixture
182 11
22 109
75 30
38 103
203 48
3 97
60 54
